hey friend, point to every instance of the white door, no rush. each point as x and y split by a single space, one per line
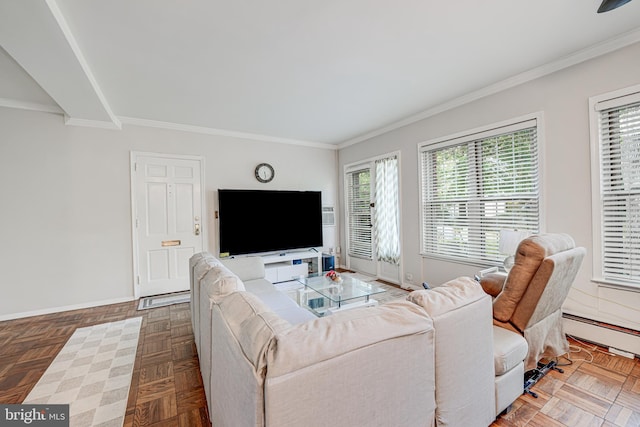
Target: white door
167 205
373 217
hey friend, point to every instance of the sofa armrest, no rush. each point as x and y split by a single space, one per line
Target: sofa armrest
461 313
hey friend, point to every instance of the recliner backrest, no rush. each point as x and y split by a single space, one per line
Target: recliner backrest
529 276
548 288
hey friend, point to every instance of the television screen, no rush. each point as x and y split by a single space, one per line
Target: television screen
256 221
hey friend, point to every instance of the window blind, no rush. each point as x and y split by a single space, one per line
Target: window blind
359 213
474 187
620 191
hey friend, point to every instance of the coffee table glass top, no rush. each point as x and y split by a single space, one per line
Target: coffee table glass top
339 292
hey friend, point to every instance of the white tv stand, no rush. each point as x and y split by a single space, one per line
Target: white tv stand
280 267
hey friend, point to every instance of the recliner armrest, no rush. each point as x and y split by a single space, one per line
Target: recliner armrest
493 283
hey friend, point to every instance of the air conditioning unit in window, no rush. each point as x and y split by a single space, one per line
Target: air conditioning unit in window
328 216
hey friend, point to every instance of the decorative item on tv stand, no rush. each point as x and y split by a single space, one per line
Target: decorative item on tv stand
287 266
509 241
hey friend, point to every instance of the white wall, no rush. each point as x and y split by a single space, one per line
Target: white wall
66 210
563 98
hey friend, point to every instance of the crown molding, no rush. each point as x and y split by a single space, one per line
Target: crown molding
575 58
594 51
31 106
119 121
223 132
101 124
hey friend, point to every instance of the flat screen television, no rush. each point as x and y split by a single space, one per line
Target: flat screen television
259 221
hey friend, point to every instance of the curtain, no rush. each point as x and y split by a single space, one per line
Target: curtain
387 216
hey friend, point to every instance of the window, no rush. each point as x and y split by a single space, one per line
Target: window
359 213
617 189
476 184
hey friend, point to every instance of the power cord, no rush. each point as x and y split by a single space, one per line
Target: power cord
590 348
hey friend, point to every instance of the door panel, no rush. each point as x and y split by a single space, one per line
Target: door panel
158 265
168 214
156 210
184 208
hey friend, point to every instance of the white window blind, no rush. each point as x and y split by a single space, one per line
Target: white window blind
619 137
359 213
474 186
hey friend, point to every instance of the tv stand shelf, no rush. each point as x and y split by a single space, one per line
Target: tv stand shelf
281 267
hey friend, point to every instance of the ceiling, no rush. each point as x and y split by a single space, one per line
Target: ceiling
329 72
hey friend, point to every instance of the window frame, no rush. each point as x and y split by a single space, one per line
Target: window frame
495 129
598 103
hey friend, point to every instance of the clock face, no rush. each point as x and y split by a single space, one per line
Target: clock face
264 172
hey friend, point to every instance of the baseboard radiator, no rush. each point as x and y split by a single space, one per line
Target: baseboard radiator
626 341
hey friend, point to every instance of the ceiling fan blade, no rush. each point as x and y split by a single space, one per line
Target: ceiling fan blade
608 5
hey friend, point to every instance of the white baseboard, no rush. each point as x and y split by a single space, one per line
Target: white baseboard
13 316
593 332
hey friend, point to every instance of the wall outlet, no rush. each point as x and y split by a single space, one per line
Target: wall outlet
409 277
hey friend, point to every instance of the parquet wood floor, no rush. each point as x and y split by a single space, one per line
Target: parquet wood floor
598 389
167 388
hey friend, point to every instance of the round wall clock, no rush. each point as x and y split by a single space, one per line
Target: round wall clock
264 172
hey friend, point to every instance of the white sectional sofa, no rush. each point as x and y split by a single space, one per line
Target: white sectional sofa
427 361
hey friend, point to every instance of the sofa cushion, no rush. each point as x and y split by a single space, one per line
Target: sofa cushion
278 301
258 286
450 296
252 324
344 332
295 314
202 264
199 265
509 349
219 282
255 335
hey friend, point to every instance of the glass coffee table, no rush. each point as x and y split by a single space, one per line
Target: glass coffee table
322 296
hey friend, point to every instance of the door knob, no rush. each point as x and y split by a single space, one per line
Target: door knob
197 230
